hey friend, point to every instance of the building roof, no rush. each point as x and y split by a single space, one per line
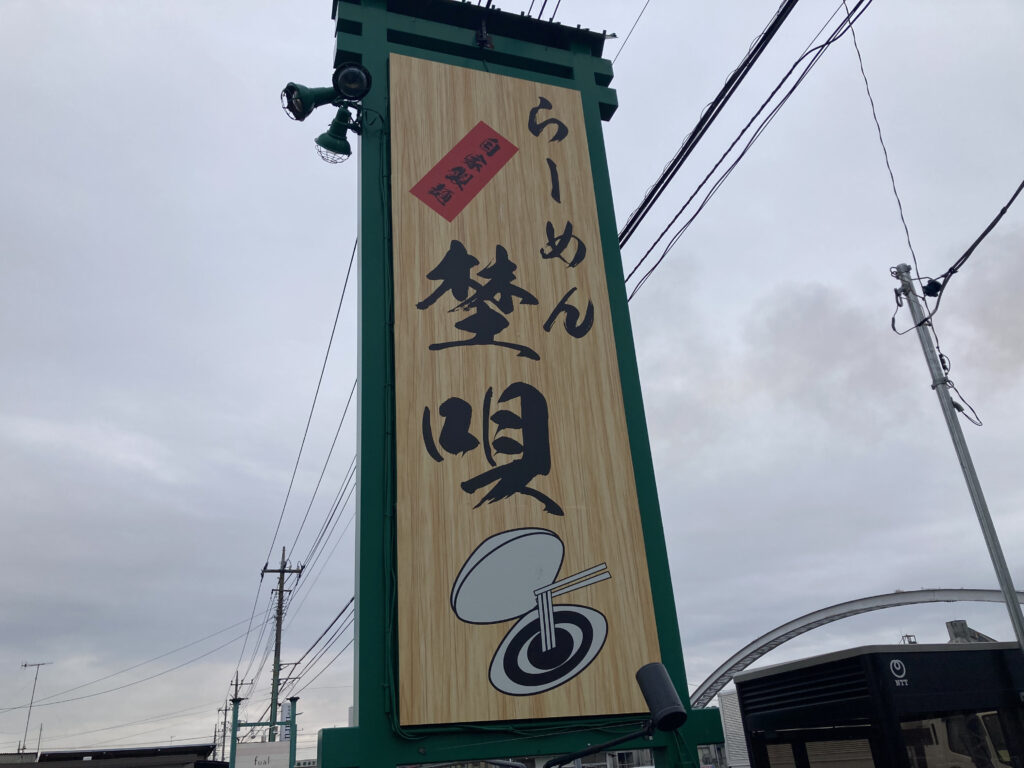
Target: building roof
200 751
811 661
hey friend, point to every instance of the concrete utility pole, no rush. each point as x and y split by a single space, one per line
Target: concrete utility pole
32 698
276 680
224 728
235 701
940 383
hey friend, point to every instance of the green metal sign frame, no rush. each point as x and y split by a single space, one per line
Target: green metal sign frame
290 723
468 35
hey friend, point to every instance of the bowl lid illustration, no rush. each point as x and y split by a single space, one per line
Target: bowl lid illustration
497 581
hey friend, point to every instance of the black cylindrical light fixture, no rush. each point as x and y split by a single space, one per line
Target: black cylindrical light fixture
352 81
667 712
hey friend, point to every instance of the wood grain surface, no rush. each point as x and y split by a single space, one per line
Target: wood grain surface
444 662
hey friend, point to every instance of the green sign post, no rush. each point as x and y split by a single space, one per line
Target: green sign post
290 723
481 39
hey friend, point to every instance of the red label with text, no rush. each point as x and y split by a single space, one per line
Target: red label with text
460 175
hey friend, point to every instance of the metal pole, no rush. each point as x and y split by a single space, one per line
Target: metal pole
234 729
224 731
293 735
940 384
32 698
275 681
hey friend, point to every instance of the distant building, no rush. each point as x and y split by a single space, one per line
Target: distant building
177 756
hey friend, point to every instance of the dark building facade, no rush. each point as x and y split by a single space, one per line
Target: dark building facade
177 756
904 706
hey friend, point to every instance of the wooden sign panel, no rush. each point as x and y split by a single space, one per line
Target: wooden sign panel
523 589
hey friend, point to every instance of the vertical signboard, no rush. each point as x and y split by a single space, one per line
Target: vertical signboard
523 586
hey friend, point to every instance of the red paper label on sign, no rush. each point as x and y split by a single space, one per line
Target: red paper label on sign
459 176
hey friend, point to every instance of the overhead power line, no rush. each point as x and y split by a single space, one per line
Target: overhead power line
312 407
630 33
326 667
816 52
937 287
333 622
128 669
134 682
177 715
706 119
259 638
302 444
881 141
330 453
312 582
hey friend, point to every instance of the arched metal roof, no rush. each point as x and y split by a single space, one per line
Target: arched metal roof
767 642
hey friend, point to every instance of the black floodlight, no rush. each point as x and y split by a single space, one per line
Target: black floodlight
351 81
299 101
333 145
667 712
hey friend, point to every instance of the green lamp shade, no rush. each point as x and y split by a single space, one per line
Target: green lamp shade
336 145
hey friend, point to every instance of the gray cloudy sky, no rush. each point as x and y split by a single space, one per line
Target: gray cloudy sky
172 252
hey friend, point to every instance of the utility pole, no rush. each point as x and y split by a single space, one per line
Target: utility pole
235 701
940 383
32 698
275 681
224 728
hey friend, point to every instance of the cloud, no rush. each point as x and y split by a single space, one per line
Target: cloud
102 444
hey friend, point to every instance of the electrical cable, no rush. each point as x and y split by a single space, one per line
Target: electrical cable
955 267
152 719
312 407
346 624
267 650
344 648
326 462
330 554
296 675
973 416
818 52
326 528
134 682
302 444
313 582
936 288
195 740
881 141
628 34
810 49
708 116
136 666
333 622
336 517
259 638
252 615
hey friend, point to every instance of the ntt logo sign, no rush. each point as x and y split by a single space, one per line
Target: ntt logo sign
899 673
